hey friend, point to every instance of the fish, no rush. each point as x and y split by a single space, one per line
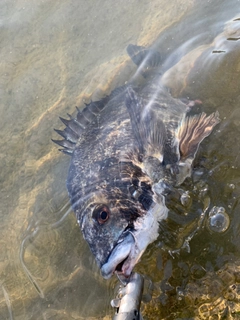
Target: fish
126 150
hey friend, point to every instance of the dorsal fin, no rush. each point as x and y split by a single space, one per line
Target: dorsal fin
146 58
117 91
148 128
75 126
68 146
192 130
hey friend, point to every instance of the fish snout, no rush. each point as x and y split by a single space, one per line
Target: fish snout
118 258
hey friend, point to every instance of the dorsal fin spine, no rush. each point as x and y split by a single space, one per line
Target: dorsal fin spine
64 143
76 125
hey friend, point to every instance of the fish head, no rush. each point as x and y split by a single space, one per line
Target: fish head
116 210
102 223
118 232
134 241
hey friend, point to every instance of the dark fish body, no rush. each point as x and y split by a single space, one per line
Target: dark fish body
125 150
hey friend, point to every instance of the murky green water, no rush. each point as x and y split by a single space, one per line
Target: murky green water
57 54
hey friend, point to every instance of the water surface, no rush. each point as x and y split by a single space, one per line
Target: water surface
58 54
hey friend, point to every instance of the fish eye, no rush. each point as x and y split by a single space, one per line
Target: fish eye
101 213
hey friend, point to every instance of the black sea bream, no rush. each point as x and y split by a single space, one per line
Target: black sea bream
125 150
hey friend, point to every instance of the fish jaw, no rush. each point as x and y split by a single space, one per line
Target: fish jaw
120 252
126 254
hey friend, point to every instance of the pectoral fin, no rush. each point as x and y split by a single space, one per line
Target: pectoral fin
148 128
192 130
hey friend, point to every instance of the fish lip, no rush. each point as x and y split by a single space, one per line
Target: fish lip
120 255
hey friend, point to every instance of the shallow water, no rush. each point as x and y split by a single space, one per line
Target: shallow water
55 55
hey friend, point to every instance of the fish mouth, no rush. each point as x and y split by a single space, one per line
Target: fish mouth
122 258
133 242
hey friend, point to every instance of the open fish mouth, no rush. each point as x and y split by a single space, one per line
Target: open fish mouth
133 242
122 258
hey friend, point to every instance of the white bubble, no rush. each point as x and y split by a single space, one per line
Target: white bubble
218 220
